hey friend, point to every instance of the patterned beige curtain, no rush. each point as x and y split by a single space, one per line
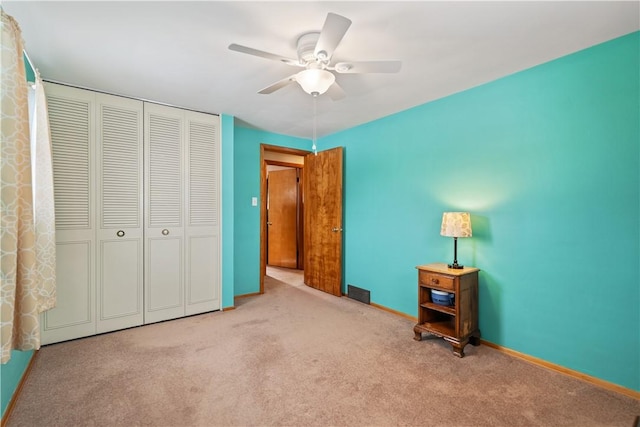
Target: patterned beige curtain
22 297
44 209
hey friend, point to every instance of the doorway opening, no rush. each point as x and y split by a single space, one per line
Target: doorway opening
281 242
284 216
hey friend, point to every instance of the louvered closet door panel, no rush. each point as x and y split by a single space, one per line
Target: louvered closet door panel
120 262
164 216
71 117
203 206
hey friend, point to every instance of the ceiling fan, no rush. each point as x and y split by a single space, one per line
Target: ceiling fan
315 50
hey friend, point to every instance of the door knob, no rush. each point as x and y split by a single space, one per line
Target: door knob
120 233
165 232
269 223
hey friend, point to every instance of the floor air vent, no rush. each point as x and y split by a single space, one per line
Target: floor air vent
359 294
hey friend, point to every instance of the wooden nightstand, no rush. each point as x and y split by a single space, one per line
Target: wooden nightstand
457 324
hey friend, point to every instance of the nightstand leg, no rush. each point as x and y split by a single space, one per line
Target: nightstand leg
417 335
458 349
458 346
474 340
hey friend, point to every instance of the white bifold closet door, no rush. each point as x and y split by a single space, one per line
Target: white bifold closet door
72 126
120 262
137 213
97 162
182 227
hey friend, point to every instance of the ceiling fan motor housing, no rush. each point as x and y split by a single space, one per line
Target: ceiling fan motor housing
307 46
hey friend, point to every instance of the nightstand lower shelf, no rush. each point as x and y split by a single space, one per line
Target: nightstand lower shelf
444 328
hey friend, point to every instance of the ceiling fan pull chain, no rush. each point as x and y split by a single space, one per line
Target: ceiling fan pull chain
314 147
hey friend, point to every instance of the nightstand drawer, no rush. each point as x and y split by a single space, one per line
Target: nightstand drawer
436 280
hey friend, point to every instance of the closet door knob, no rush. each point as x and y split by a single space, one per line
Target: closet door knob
120 233
165 232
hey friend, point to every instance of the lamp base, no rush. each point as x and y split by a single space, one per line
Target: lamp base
456 266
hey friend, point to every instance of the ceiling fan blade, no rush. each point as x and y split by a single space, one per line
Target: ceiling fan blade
278 85
334 29
335 92
368 67
263 54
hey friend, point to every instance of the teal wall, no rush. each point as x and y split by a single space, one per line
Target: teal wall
547 161
10 376
247 217
30 72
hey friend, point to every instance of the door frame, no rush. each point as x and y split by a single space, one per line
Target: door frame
263 199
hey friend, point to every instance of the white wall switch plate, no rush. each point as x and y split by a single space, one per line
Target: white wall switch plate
254 201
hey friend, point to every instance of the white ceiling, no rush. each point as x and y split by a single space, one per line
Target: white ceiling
176 52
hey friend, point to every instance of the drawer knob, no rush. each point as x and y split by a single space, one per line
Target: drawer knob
120 233
435 281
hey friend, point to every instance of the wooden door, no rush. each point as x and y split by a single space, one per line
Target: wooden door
323 221
282 242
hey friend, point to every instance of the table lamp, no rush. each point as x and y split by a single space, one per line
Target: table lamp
456 224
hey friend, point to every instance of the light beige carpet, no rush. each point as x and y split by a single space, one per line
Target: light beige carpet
296 356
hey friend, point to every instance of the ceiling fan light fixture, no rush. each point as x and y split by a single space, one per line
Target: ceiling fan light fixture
315 81
315 50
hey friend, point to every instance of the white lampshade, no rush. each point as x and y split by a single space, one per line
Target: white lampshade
456 224
315 80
